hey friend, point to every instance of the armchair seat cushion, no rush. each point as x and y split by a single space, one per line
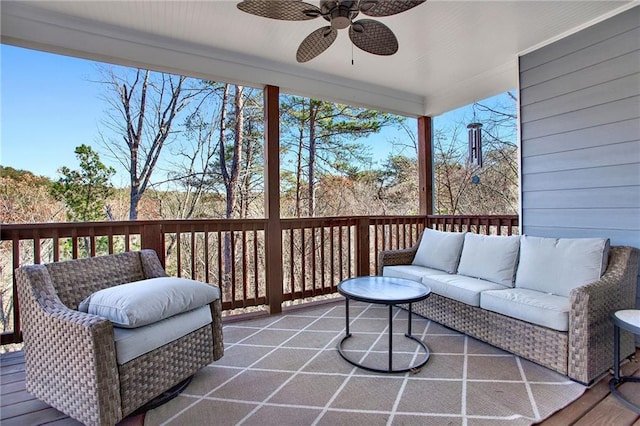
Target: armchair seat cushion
547 310
147 301
134 342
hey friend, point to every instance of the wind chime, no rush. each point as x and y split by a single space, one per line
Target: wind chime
475 148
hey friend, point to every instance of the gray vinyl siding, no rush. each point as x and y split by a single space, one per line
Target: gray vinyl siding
580 133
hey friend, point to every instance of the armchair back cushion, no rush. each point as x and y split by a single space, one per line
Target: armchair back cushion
490 257
439 250
144 302
558 265
74 280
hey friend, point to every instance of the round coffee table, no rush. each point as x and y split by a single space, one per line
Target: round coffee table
386 291
629 320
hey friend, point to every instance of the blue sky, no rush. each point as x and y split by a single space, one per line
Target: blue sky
49 107
51 104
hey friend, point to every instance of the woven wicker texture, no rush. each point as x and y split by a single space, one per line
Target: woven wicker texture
74 280
146 377
70 356
218 343
373 37
583 353
392 7
591 337
316 43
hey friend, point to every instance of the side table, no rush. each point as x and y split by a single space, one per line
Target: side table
629 320
386 291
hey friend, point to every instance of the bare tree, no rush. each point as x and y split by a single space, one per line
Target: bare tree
144 107
463 188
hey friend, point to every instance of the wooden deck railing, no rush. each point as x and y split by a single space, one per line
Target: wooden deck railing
317 253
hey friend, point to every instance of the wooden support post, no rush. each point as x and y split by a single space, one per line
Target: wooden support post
363 259
425 165
152 237
273 235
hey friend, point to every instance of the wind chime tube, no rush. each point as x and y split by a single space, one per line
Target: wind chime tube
471 145
475 144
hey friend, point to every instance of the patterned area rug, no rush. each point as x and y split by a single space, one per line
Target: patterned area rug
286 370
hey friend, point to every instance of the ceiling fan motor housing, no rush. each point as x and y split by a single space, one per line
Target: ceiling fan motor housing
339 13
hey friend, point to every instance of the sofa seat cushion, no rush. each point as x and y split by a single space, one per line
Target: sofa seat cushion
558 265
144 302
459 287
547 310
134 342
490 257
439 250
410 272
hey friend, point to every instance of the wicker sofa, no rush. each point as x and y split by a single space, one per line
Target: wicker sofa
583 352
72 360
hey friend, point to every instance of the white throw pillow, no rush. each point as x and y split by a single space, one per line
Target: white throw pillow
557 265
144 302
490 257
439 250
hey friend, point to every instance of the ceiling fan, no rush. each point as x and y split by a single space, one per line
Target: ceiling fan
367 34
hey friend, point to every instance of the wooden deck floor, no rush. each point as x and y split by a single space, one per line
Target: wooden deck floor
596 407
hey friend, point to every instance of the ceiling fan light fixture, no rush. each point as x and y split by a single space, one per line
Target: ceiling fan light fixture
340 18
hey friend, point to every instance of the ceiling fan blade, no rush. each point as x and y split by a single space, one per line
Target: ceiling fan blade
284 10
316 43
373 37
378 8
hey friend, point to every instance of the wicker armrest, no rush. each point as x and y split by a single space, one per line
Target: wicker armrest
590 324
396 257
66 350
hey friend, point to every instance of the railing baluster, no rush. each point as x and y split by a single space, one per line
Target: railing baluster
232 249
221 283
332 275
244 262
74 244
256 269
194 275
206 254
313 260
292 262
37 258
14 337
322 262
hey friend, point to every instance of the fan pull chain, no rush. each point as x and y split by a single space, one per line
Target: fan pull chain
352 54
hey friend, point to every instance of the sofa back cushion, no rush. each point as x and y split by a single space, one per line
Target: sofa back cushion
557 265
490 257
439 250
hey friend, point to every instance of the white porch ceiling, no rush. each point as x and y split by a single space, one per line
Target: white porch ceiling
451 52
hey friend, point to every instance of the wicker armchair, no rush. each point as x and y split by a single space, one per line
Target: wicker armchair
583 353
70 355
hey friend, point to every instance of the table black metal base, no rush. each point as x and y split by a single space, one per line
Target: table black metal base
390 369
617 378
